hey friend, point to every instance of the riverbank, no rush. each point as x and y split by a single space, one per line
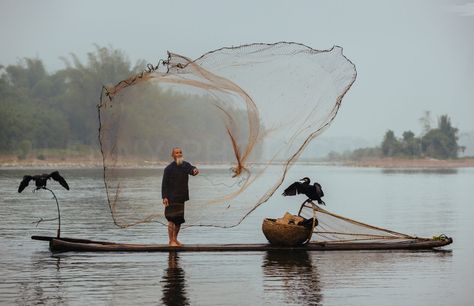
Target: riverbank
12 161
399 163
95 161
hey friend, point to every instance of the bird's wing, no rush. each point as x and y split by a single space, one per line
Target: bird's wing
293 189
319 189
57 177
26 180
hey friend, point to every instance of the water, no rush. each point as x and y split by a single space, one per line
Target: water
425 203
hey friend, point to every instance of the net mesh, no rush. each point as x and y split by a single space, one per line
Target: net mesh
243 115
338 229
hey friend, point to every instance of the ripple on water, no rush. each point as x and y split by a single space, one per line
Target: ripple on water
431 203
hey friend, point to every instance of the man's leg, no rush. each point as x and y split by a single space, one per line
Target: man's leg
170 231
176 231
175 211
172 234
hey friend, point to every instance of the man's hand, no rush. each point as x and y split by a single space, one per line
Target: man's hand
165 202
195 171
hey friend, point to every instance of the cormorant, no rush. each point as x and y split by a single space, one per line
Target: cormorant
41 180
313 192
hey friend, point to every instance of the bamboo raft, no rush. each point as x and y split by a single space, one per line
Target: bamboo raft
57 245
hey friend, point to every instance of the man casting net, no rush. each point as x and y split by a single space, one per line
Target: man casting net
244 114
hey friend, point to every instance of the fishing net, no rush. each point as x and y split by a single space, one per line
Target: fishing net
335 228
243 115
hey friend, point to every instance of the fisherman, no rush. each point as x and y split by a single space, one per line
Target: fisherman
174 191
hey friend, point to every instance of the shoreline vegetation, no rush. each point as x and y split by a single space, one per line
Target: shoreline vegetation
412 163
49 120
95 161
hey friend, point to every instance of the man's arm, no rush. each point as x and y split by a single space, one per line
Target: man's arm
164 187
193 170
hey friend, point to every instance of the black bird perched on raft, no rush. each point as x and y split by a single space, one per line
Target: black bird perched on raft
41 180
313 192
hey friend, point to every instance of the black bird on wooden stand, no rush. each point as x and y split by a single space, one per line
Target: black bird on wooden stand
40 182
313 192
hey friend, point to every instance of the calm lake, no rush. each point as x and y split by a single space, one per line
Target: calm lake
418 202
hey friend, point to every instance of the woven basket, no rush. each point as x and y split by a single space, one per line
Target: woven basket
285 234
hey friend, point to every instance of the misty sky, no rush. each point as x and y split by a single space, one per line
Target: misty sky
411 56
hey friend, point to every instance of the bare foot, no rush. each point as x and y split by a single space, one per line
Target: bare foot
179 243
174 243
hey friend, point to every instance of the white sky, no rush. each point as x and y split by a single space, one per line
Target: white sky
411 56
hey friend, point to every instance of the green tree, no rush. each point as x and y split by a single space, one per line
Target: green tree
39 110
26 113
390 144
442 141
26 74
52 110
411 145
105 66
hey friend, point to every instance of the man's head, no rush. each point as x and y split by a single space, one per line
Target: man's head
177 155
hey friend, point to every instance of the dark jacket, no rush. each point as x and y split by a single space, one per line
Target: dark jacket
175 182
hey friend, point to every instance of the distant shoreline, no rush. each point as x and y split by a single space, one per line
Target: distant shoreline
420 163
12 162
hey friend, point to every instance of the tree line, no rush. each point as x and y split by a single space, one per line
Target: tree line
55 110
440 142
44 112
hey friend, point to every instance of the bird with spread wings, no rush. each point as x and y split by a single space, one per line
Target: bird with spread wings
303 186
41 180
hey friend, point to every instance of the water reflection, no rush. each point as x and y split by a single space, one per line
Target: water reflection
440 171
34 290
291 278
174 285
436 203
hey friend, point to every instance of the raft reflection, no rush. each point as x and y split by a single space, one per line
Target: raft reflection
174 285
291 278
